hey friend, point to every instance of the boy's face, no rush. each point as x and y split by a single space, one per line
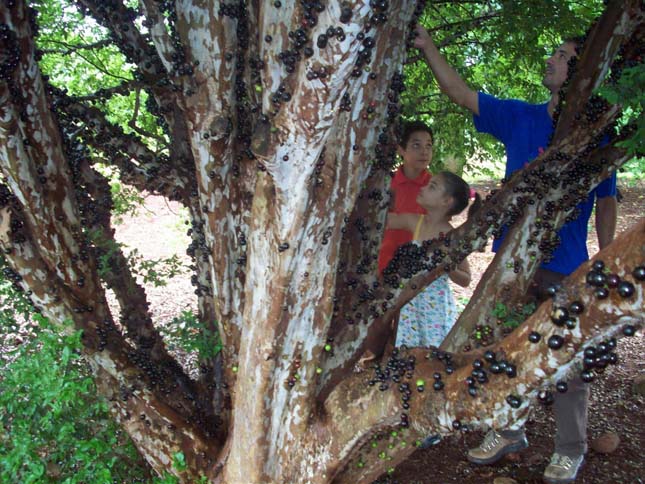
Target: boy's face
557 67
417 153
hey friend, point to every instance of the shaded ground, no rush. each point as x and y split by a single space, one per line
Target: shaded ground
613 405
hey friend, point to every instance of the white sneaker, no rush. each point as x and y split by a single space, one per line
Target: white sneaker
563 469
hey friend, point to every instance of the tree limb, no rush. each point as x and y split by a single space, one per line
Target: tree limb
537 367
71 48
520 255
618 23
139 166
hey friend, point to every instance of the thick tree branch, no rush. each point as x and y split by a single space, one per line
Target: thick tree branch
617 24
305 229
520 253
500 278
139 165
46 244
119 20
415 266
219 113
537 366
123 89
159 33
126 377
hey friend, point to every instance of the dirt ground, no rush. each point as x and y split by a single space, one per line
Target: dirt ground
614 406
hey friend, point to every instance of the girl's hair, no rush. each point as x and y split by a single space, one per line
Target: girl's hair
410 127
455 187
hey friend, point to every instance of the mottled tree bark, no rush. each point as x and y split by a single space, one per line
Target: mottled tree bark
282 156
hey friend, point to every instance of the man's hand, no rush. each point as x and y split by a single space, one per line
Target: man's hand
422 38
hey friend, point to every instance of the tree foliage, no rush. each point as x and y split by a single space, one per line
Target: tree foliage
497 47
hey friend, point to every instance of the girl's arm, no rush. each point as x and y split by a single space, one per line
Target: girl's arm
403 221
461 275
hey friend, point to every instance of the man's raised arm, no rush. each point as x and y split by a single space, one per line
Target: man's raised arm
449 81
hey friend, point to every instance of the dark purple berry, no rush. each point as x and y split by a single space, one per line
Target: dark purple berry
576 307
345 15
555 342
534 337
322 41
601 293
489 356
639 273
545 397
589 352
559 315
561 386
625 289
597 279
629 330
613 280
514 401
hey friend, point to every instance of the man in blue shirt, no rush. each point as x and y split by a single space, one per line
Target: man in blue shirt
525 130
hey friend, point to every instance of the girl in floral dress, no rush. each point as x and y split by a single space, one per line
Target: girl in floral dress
426 320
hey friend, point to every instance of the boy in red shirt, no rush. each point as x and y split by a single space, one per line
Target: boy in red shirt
416 150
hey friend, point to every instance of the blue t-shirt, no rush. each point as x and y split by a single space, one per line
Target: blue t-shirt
525 130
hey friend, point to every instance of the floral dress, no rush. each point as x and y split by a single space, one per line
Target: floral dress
426 320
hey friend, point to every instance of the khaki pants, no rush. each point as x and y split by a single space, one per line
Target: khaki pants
569 408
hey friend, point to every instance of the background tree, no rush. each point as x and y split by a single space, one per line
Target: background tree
273 123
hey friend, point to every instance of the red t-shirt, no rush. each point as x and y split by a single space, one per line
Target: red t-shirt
405 195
